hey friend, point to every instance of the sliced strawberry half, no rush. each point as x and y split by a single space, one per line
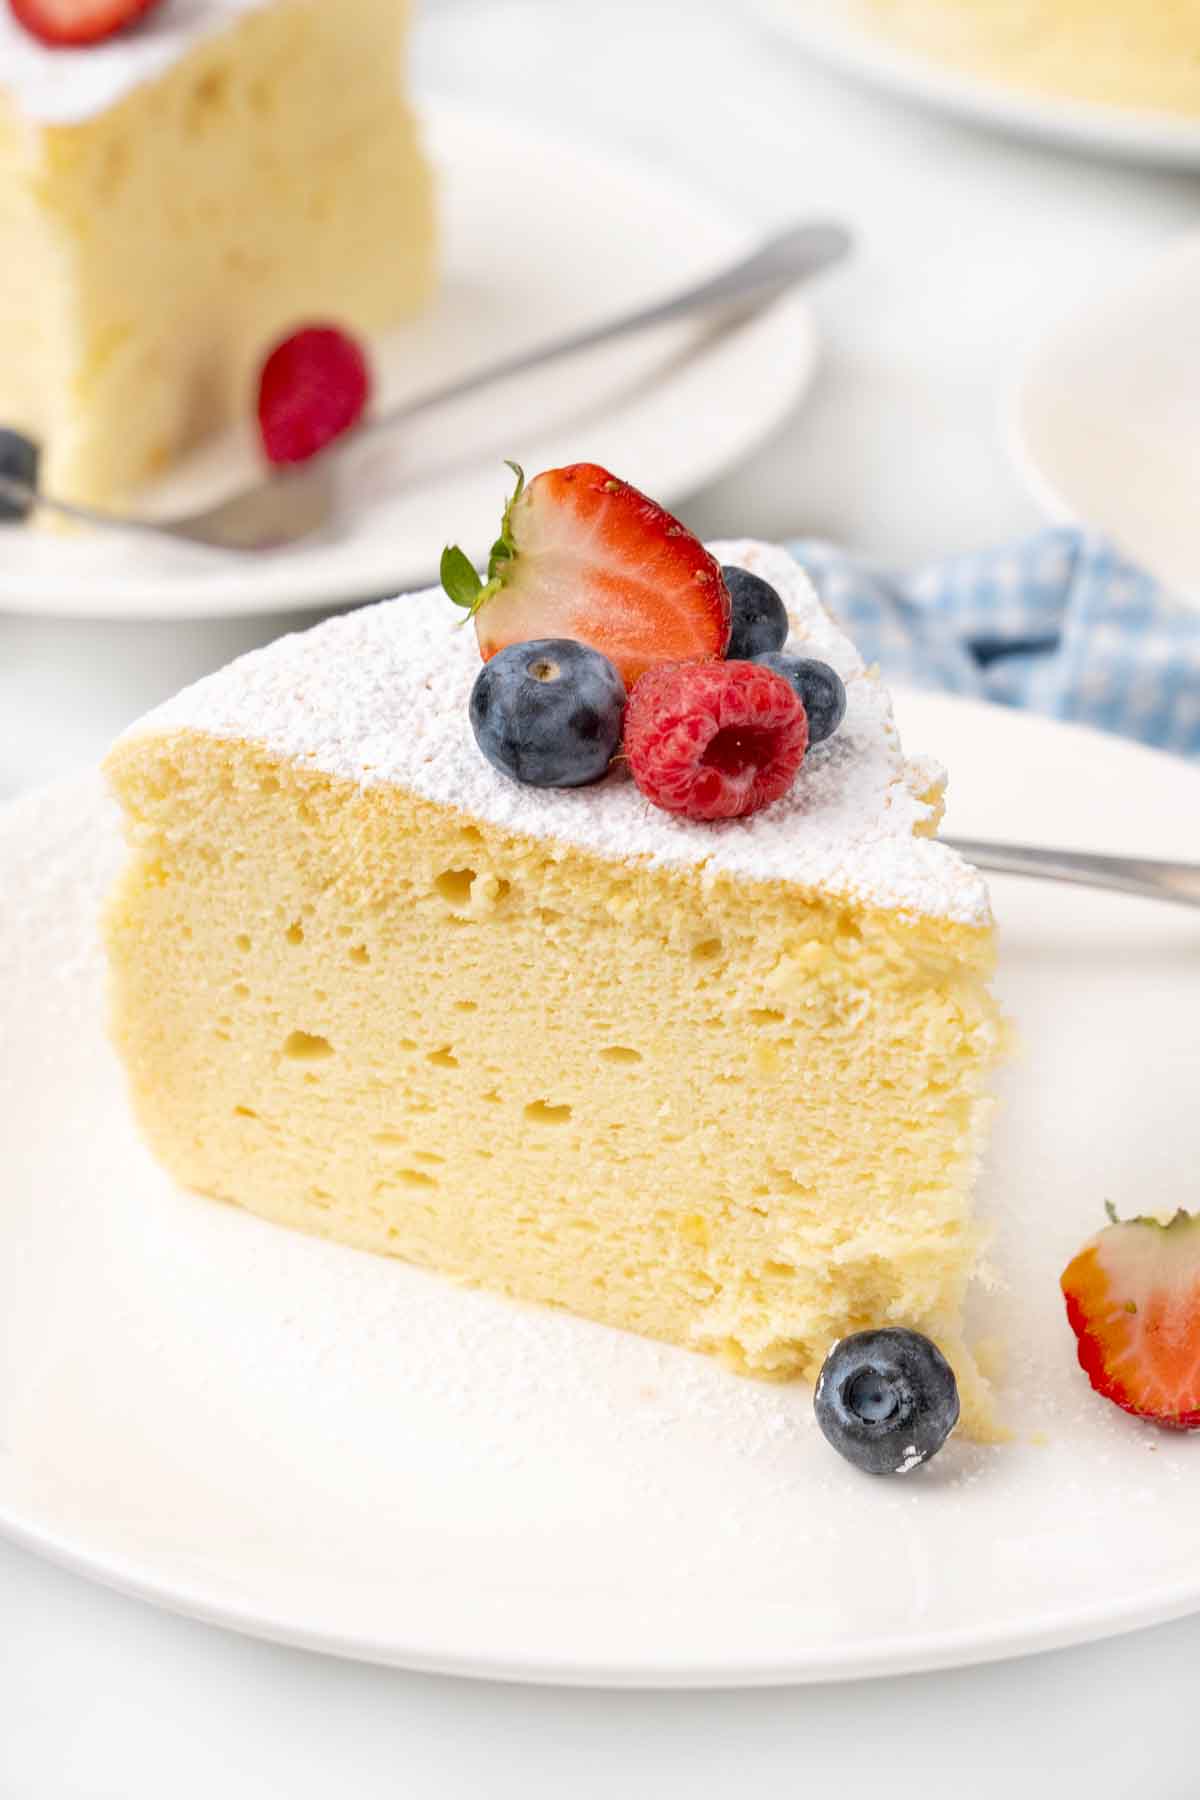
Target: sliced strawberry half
1133 1301
582 555
62 23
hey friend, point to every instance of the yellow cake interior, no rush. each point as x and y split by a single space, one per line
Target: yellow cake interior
1132 53
272 176
725 1113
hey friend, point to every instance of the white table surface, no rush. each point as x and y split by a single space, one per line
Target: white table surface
970 246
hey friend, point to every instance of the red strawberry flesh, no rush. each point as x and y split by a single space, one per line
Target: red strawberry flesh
66 23
595 560
1133 1301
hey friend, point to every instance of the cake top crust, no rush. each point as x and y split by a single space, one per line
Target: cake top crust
66 87
380 696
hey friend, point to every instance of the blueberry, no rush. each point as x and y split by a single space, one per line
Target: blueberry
820 687
19 457
886 1400
548 713
760 620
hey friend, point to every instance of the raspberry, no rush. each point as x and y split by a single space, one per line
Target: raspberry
714 740
314 385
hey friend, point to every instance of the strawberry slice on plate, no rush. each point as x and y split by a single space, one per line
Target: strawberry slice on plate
1133 1302
62 23
583 555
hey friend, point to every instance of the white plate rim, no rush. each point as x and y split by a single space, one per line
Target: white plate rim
900 1655
825 30
784 332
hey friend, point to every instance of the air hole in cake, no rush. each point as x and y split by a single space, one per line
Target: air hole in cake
390 1140
765 1015
295 933
454 885
240 991
443 1059
244 1112
471 834
427 1156
304 1046
242 940
541 1112
781 1271
785 1182
707 951
415 1178
269 784
466 1006
620 1053
207 98
549 915
492 1097
360 955
502 889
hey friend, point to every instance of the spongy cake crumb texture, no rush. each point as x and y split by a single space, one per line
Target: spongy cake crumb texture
725 1086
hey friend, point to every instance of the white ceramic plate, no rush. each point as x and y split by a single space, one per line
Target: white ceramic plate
539 237
326 1448
830 31
1106 422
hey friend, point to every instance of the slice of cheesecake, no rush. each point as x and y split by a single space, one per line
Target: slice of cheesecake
724 1085
175 199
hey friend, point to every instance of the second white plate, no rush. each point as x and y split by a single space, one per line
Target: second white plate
539 237
328 1448
1106 423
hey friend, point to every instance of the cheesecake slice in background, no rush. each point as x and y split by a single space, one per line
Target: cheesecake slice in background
174 199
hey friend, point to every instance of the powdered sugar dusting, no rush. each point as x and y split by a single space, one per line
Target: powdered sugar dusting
65 87
381 695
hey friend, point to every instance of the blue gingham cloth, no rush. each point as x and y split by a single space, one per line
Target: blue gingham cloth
1061 624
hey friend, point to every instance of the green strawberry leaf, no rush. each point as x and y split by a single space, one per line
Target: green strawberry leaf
459 578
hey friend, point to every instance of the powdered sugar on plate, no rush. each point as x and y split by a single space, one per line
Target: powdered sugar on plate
380 695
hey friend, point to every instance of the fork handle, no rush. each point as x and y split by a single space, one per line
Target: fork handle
1174 881
790 256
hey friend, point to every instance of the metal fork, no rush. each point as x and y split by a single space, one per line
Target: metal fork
292 505
1153 880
